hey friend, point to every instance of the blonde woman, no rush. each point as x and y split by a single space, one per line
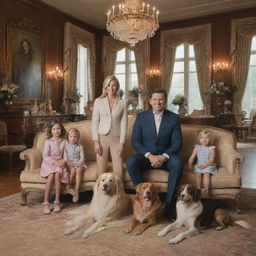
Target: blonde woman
109 125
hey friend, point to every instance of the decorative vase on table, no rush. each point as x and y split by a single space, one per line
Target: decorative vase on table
7 104
182 110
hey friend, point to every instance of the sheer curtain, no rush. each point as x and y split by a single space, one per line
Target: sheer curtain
83 76
74 36
200 37
243 31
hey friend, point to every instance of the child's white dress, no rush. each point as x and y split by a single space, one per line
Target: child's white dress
203 156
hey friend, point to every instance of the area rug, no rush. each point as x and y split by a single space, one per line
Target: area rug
25 231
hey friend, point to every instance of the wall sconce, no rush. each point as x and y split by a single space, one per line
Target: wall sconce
220 66
54 74
154 72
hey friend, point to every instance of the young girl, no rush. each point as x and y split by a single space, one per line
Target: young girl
53 166
205 166
75 161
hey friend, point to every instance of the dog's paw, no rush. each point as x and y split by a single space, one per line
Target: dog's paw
219 228
69 231
69 223
137 231
175 240
162 233
127 229
85 235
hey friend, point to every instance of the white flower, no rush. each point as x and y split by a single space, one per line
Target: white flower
227 102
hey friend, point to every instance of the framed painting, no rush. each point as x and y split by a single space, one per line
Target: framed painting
25 59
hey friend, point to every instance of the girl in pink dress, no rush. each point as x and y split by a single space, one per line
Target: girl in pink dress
54 165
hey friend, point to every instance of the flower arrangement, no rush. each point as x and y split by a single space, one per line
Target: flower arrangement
73 96
179 100
9 91
219 88
227 102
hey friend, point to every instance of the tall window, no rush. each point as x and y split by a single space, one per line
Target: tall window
184 79
82 76
126 70
249 98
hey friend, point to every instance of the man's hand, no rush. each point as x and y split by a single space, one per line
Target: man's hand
156 160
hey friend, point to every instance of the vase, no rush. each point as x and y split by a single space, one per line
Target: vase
7 104
182 110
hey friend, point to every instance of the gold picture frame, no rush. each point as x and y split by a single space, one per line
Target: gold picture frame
25 59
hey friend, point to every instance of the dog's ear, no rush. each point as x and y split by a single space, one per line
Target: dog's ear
138 189
96 186
119 186
197 194
178 190
157 188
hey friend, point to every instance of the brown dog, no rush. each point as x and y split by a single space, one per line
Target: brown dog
147 208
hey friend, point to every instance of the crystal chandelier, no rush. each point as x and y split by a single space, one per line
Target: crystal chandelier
132 21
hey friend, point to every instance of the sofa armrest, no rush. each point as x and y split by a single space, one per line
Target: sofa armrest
233 162
33 159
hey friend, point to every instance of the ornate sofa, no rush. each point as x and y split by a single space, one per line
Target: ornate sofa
226 184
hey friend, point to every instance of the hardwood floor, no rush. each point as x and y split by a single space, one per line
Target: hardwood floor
9 184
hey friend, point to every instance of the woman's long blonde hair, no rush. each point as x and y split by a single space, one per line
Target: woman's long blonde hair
106 83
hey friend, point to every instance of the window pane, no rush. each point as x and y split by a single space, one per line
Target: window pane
121 55
254 43
132 56
179 51
191 51
178 66
134 81
192 66
249 99
121 79
253 60
133 68
177 87
82 76
120 68
194 97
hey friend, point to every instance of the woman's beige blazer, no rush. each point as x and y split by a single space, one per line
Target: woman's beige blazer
104 121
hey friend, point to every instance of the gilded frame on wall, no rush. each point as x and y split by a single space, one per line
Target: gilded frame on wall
25 60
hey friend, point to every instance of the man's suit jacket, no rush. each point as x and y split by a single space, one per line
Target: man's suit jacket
104 121
168 140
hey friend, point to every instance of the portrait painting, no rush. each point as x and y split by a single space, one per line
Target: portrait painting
25 61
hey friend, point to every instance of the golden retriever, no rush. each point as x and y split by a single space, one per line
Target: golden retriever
147 208
109 203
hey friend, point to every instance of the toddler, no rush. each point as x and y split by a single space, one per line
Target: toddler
75 161
205 166
53 166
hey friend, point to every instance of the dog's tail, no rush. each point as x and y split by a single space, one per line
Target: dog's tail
244 224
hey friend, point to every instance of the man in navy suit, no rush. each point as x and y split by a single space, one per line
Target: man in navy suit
157 139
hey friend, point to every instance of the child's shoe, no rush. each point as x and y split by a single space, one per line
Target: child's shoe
56 205
46 208
75 196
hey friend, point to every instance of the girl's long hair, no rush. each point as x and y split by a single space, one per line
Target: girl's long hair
49 130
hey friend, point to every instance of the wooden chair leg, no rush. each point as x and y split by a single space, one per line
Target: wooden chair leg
23 197
237 201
